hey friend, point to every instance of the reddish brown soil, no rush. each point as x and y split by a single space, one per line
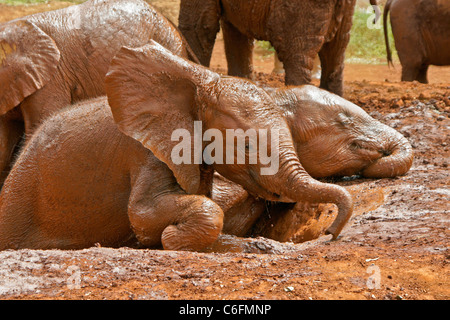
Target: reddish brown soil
394 247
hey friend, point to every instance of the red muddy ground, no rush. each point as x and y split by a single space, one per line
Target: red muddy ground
394 247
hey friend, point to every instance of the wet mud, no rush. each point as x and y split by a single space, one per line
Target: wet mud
395 246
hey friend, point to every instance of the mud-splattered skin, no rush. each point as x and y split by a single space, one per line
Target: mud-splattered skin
332 137
53 59
298 30
421 30
85 180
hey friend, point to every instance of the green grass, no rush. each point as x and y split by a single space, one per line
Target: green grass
367 44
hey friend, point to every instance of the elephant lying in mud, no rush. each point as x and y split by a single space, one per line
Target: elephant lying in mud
98 174
52 59
421 30
332 137
297 29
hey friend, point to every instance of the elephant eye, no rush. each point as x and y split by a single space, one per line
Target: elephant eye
344 120
355 145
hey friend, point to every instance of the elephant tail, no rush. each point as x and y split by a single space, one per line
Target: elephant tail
386 37
190 53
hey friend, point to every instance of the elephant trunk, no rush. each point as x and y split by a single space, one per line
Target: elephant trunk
301 187
397 160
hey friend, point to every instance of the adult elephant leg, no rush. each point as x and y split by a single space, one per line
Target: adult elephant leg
298 57
239 51
11 133
422 74
332 56
410 72
332 63
199 23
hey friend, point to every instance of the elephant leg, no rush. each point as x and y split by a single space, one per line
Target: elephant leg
241 210
332 57
239 51
11 133
177 220
422 74
410 72
298 57
199 23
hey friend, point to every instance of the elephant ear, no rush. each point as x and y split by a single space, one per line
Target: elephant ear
28 60
152 93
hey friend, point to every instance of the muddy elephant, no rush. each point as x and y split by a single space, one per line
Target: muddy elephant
249 216
52 59
332 137
421 30
297 29
98 174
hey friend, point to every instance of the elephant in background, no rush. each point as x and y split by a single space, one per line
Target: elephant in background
104 171
53 59
421 30
297 29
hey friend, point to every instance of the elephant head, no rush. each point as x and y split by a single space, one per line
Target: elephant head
334 137
153 94
28 60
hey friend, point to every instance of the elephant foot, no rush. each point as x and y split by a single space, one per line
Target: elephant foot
197 230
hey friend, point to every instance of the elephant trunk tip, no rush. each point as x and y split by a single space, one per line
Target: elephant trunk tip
344 202
394 163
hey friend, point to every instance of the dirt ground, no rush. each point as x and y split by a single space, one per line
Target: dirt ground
394 248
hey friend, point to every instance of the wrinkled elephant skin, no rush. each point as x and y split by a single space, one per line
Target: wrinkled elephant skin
104 171
334 137
421 30
53 59
297 29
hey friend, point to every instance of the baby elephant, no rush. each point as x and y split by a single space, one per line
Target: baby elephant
52 59
111 171
332 137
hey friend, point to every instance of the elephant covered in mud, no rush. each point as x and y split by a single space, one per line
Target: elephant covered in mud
53 59
297 29
109 171
332 137
421 30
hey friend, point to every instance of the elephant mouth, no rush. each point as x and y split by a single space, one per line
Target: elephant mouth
357 168
262 193
259 192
